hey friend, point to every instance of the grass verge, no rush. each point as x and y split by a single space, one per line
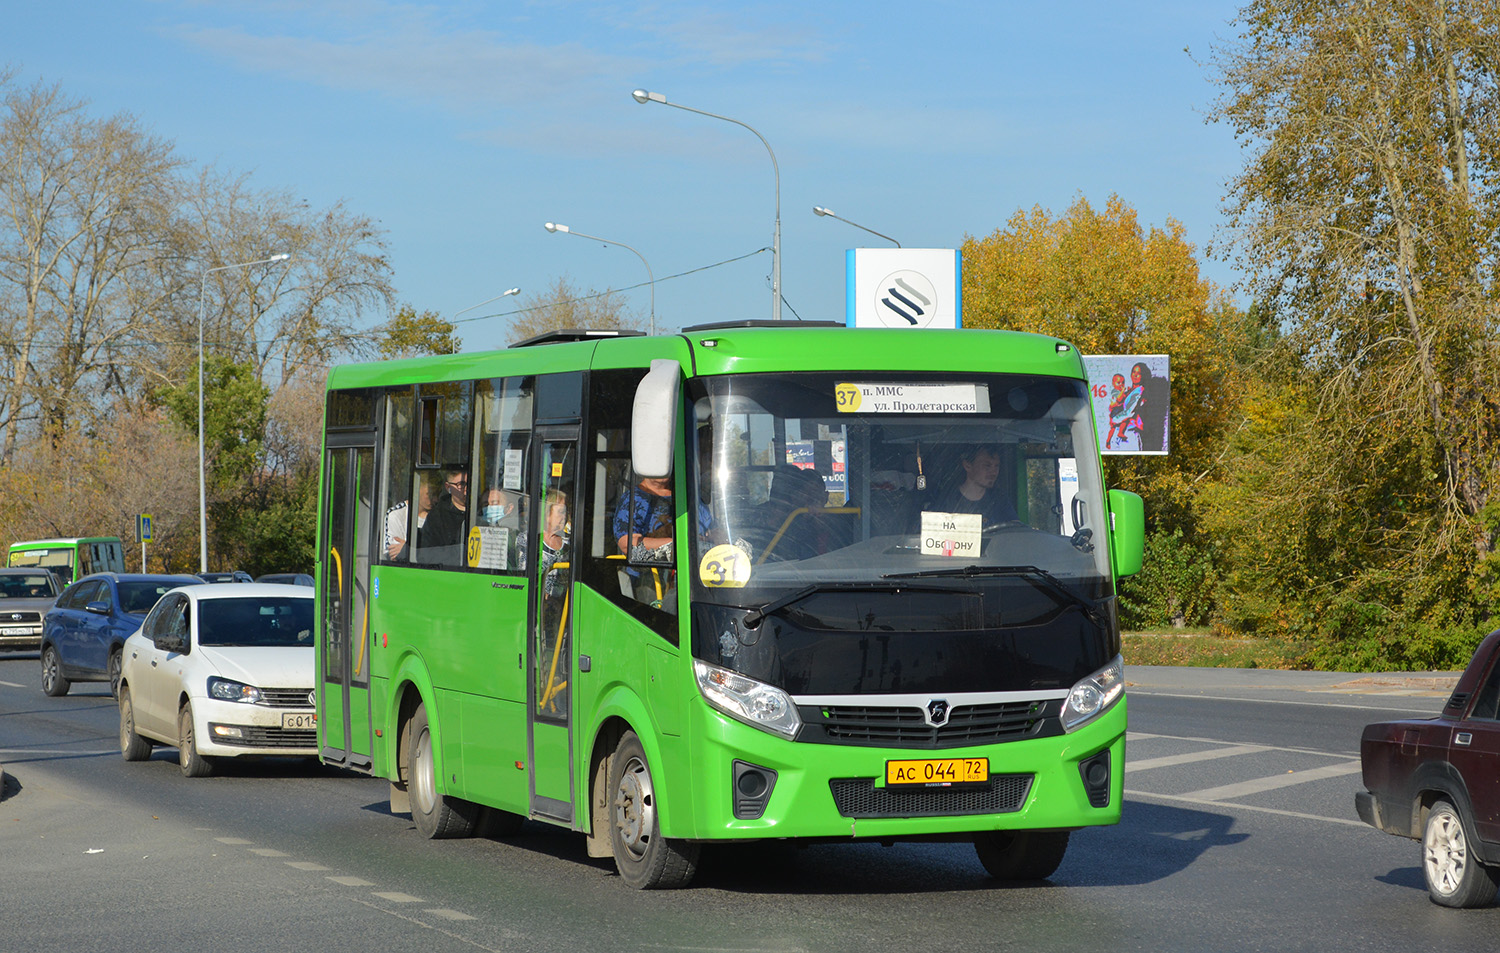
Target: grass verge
1202 648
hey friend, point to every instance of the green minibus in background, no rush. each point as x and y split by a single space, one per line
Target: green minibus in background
70 558
725 585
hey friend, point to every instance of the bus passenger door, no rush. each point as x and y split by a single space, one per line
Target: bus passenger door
344 726
552 668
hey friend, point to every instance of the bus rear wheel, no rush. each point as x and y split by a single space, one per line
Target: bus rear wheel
645 859
436 815
1021 855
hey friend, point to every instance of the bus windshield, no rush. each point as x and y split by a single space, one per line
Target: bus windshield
963 504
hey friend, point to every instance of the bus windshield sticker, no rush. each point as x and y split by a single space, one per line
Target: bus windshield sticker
951 534
726 566
912 398
512 478
489 547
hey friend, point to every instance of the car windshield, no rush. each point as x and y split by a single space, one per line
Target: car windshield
38 586
260 621
825 480
138 597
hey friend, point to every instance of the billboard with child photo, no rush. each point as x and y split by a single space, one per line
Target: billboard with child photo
1132 397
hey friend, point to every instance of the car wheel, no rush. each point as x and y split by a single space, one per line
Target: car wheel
115 666
132 745
1454 877
193 764
645 859
436 815
53 682
1021 855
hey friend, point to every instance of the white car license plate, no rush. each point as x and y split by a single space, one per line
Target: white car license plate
17 630
293 720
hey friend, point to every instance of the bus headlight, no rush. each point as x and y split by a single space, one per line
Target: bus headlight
1094 695
227 690
744 699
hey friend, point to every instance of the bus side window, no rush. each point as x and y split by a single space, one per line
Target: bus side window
638 577
445 430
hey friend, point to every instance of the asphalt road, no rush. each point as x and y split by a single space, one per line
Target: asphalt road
1239 834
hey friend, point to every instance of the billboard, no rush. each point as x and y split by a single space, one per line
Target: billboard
902 288
1132 397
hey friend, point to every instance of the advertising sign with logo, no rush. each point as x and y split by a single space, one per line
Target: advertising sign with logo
902 288
1132 398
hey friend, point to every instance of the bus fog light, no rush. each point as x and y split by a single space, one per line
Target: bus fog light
752 790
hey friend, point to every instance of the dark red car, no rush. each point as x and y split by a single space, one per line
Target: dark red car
1438 779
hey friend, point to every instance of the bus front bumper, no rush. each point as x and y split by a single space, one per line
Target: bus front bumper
799 790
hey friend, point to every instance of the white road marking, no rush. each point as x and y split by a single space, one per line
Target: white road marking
12 685
395 896
1150 795
449 914
1170 760
352 881
1256 786
234 841
268 852
305 865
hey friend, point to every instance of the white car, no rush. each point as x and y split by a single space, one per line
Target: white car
221 672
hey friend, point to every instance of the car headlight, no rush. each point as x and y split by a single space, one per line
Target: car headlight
744 699
228 690
1094 695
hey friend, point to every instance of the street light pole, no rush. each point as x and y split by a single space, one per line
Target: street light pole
202 465
821 212
645 96
555 228
503 294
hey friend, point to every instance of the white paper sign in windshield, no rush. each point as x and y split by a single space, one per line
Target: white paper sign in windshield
950 534
912 398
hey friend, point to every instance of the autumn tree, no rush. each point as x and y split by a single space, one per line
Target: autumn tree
1099 279
1367 215
409 334
563 306
85 207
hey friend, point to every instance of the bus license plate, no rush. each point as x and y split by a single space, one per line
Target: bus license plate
937 772
293 720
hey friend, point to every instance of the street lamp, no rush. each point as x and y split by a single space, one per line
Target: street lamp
645 96
202 465
555 228
822 212
503 294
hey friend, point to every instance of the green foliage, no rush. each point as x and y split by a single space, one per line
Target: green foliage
1174 588
234 417
409 334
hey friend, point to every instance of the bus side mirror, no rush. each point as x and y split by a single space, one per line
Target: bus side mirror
1127 535
653 419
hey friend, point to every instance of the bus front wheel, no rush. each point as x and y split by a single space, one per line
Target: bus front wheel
1021 855
645 859
435 815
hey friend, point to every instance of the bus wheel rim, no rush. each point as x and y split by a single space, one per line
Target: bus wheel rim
423 782
635 808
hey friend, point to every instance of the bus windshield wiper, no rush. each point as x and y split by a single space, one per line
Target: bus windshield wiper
754 616
974 571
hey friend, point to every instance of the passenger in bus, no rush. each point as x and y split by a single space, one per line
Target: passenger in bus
398 518
643 521
976 492
556 539
501 508
445 524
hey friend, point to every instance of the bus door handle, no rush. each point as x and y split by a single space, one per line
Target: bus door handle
585 663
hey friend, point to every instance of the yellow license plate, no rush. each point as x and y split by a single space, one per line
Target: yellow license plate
937 772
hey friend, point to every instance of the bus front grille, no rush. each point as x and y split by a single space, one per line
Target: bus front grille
859 797
894 727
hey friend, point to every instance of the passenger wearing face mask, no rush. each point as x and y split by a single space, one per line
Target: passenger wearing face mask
500 509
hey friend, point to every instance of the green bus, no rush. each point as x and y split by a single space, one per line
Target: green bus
70 558
752 581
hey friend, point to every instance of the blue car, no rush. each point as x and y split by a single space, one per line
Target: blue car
83 633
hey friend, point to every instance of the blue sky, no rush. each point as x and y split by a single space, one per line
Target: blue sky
462 127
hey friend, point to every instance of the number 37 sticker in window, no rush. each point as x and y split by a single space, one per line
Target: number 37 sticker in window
726 566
